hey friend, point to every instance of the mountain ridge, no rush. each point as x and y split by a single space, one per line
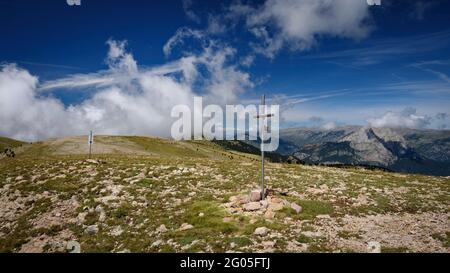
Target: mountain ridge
401 150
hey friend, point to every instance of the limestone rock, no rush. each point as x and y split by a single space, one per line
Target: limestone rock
264 204
255 196
157 243
276 206
296 207
73 247
261 231
91 230
252 206
269 214
186 226
374 247
161 229
227 219
117 231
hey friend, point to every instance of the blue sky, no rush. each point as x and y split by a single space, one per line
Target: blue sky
386 65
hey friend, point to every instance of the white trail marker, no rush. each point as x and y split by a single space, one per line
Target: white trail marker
91 141
264 118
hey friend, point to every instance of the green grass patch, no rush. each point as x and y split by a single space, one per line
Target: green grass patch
212 221
394 250
444 238
312 208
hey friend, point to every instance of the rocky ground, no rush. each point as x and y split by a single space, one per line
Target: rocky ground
196 197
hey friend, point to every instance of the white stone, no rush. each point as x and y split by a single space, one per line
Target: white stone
117 231
261 231
276 206
269 214
73 247
186 226
252 206
102 217
157 243
268 244
255 196
91 230
374 247
296 207
161 229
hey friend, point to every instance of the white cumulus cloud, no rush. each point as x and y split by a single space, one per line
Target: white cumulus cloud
125 100
298 23
408 118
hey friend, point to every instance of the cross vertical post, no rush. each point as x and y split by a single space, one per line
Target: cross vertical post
263 103
263 117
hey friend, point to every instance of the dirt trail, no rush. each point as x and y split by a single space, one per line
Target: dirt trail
102 145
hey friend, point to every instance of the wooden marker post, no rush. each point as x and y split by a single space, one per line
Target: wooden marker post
91 141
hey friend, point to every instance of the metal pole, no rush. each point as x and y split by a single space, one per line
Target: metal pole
263 103
90 144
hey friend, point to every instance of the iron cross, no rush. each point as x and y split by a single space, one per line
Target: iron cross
263 117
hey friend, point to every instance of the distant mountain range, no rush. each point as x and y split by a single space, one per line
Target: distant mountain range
402 150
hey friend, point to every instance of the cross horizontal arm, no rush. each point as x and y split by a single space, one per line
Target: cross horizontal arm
265 116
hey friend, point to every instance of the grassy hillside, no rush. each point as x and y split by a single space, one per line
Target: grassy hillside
143 194
9 143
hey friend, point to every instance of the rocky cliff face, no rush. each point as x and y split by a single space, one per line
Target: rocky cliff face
405 150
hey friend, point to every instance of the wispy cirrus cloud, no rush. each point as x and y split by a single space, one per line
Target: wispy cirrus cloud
425 66
386 49
56 66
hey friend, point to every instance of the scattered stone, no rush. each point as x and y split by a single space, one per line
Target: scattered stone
91 230
296 207
264 204
255 196
276 206
324 216
186 226
227 219
268 244
239 200
102 217
73 247
92 161
270 214
161 229
252 206
374 247
312 234
201 214
261 231
117 231
81 218
276 200
157 243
